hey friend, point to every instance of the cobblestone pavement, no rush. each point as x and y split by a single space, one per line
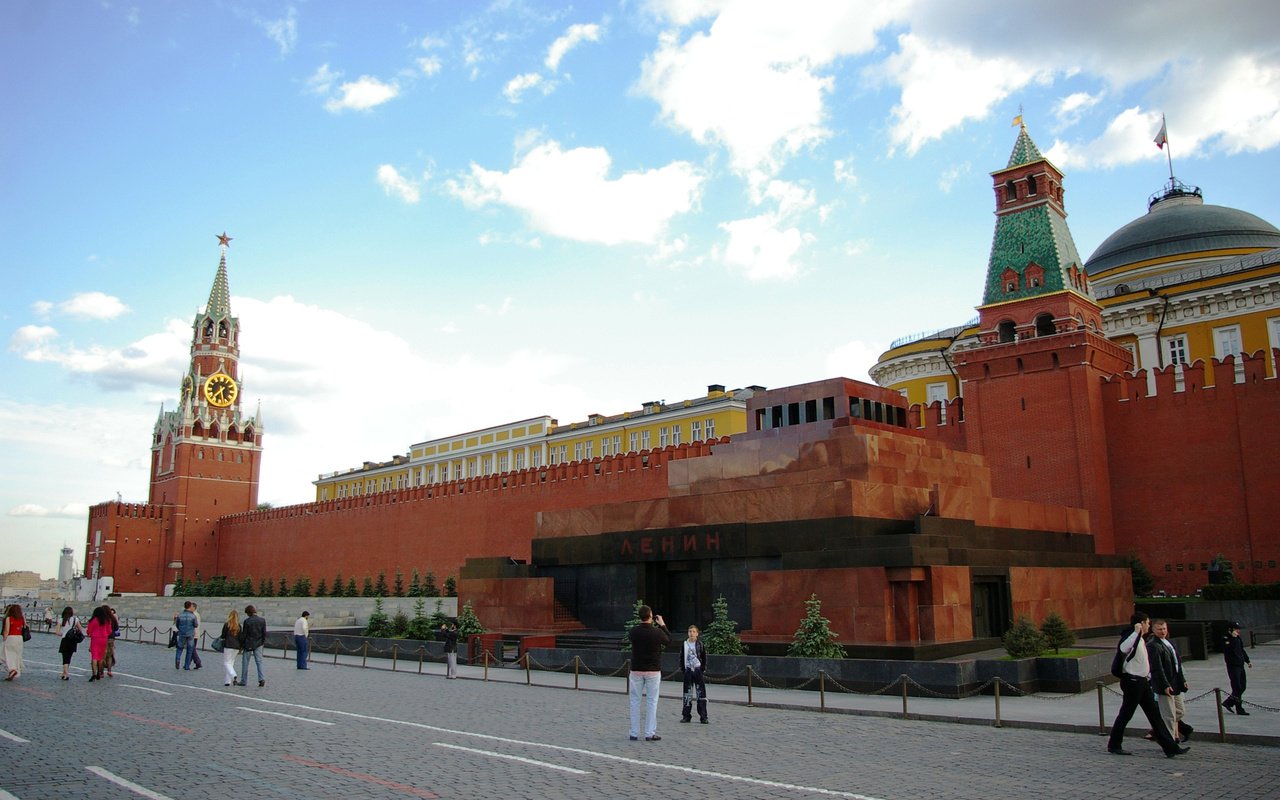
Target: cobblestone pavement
345 732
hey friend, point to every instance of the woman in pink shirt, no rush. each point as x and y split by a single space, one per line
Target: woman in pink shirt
99 631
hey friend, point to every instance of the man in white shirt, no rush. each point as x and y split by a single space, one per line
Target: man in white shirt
1136 685
301 642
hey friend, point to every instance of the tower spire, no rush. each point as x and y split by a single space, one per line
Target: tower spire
220 295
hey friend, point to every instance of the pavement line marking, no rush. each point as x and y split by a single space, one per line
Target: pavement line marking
580 751
290 716
6 796
137 718
413 790
146 689
127 784
36 692
5 734
521 759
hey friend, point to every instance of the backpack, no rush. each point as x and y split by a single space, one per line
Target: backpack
1119 659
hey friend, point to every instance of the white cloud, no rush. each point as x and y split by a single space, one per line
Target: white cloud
1129 137
153 360
950 175
574 36
93 305
68 511
569 193
943 85
842 171
752 82
763 247
322 80
362 94
430 65
284 31
31 337
518 85
853 360
396 185
1070 108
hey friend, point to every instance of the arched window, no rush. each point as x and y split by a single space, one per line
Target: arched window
1010 191
222 329
208 329
1031 185
1045 326
1006 331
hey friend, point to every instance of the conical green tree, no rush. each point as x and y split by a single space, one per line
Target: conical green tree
468 622
379 623
629 624
721 637
1024 640
814 638
1057 634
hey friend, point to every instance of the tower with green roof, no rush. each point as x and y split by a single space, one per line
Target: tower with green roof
1032 388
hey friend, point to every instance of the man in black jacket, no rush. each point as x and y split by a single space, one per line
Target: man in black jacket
1237 659
253 637
1169 681
648 640
1136 685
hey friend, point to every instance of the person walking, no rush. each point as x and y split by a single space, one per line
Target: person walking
1169 682
449 633
15 634
648 640
693 658
1237 660
185 623
99 632
1135 682
301 639
70 635
230 646
196 663
253 637
110 658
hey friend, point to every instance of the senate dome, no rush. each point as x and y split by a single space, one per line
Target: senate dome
1180 226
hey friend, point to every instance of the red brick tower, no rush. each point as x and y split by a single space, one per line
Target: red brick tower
1033 387
206 455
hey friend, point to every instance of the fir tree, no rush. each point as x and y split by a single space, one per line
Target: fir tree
322 589
284 587
438 616
415 585
266 587
336 591
468 622
367 589
246 587
1057 634
399 584
380 588
351 590
429 588
379 624
1024 640
814 638
721 637
179 587
420 626
450 587
399 624
1143 583
302 587
629 624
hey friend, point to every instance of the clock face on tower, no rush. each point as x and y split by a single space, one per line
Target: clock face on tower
220 390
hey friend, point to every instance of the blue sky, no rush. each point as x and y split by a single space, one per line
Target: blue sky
450 215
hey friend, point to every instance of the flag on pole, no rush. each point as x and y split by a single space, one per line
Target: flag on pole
1016 121
1162 138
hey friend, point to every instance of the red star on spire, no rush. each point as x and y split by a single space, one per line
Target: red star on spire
223 239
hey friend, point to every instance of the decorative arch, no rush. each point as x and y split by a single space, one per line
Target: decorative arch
1006 331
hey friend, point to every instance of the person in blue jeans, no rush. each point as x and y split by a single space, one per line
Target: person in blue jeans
301 642
253 636
648 640
185 623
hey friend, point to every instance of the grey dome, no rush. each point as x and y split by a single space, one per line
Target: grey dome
1181 226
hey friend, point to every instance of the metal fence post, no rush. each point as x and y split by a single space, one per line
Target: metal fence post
903 678
395 654
576 661
998 725
1222 723
422 651
626 676
822 690
749 703
1102 716
364 658
528 677
485 653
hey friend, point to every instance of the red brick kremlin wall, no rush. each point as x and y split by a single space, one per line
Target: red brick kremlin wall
436 528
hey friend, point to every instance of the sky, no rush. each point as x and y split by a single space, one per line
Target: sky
451 215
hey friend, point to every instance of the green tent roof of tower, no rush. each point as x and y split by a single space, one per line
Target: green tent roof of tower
220 295
1036 234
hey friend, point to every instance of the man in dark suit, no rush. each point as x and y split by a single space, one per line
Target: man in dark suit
1169 681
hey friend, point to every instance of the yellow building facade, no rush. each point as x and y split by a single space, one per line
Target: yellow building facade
542 441
1186 282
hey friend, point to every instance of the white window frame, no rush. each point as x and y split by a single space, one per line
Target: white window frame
710 424
1173 347
675 435
644 440
695 431
1224 337
1273 342
664 436
633 440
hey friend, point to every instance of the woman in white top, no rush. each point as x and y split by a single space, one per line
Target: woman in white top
68 644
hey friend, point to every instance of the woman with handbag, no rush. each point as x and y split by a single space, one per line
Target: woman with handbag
15 633
230 646
71 635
